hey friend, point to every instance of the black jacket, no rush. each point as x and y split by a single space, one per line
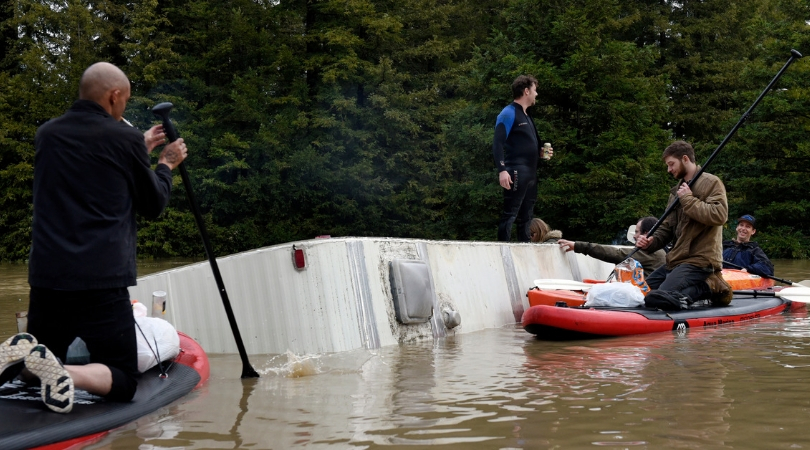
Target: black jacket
91 174
748 255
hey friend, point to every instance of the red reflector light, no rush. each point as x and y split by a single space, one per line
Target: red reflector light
298 258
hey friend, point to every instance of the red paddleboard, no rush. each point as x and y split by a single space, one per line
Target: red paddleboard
27 423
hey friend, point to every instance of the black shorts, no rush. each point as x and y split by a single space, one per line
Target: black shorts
102 318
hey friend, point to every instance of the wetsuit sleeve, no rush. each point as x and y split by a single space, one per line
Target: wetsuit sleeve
503 126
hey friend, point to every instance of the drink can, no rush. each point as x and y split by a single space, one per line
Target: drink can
158 303
547 151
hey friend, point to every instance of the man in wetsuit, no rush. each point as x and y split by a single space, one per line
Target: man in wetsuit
516 151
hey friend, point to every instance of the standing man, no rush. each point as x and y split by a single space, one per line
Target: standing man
92 173
516 151
693 269
744 252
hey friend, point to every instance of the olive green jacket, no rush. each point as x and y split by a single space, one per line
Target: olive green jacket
612 254
695 226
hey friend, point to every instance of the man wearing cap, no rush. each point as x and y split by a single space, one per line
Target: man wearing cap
744 252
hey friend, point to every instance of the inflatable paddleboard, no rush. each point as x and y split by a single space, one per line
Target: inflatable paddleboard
563 323
27 423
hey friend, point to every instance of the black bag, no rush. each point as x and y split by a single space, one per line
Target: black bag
667 300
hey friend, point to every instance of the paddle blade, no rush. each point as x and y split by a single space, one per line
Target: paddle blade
795 294
561 284
631 233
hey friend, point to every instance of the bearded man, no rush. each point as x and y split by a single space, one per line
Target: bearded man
693 269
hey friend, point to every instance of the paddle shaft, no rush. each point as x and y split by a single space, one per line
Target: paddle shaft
162 110
794 294
794 55
756 293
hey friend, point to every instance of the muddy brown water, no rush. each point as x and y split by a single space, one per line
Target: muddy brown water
739 386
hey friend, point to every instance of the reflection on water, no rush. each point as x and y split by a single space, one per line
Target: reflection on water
13 296
739 386
14 287
729 387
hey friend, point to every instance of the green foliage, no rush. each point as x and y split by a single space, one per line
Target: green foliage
600 103
784 242
375 118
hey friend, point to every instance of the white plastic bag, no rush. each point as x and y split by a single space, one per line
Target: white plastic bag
624 295
161 336
156 337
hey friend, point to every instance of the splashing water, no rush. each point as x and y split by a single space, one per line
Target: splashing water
290 365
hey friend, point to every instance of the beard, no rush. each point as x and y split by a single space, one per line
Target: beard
679 172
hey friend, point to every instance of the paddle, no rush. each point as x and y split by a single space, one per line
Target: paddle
162 110
788 282
631 233
548 284
794 55
794 294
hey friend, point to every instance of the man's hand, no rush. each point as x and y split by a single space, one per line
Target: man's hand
153 137
566 245
505 180
173 154
684 190
643 242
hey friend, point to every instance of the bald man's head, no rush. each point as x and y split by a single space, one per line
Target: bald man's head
106 85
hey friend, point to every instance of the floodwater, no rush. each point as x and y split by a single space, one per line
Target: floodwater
739 386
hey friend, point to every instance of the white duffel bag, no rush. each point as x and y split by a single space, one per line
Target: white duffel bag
156 338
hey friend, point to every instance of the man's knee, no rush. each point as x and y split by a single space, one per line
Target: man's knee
123 386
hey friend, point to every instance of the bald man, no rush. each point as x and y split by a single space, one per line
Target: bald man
92 174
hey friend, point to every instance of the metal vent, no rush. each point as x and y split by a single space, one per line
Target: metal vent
411 290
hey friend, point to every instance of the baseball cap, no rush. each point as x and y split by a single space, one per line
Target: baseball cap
748 218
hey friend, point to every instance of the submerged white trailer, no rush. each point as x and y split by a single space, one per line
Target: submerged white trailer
332 295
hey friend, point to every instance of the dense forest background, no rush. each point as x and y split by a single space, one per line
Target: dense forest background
375 118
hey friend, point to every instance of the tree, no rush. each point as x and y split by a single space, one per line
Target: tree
360 117
53 42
